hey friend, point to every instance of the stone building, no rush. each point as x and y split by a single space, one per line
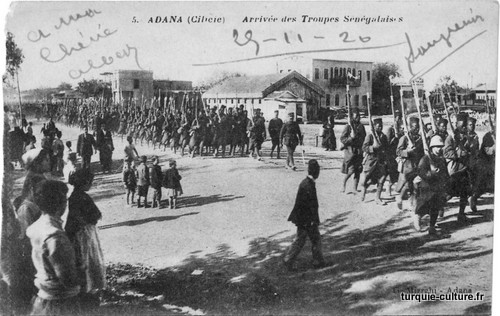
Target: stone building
132 85
288 92
333 76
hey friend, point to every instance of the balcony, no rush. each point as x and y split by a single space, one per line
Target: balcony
342 81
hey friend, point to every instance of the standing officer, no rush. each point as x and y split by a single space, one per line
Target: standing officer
257 134
290 136
84 146
275 125
352 139
305 216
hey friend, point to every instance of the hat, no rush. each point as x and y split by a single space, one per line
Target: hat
471 119
436 141
414 119
257 110
462 117
377 121
442 121
291 114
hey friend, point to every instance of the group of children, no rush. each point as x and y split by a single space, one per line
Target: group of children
141 178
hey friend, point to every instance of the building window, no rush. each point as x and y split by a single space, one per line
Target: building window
239 100
353 72
337 100
349 71
368 75
316 73
360 75
325 74
356 100
327 100
344 73
136 83
331 72
336 73
260 101
252 100
232 101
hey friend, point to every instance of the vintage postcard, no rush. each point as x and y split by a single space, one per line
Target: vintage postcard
219 157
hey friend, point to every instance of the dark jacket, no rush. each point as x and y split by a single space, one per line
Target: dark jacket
275 126
290 134
85 144
171 179
156 177
81 211
129 179
305 210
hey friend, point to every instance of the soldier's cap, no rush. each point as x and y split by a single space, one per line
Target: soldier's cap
242 106
436 141
471 119
291 114
172 163
414 119
222 107
462 117
377 121
257 110
442 121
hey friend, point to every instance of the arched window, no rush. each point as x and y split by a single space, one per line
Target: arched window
331 72
325 73
344 72
337 99
336 72
360 75
327 99
356 100
353 72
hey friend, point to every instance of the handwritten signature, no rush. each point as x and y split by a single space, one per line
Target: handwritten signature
39 34
106 60
421 51
45 52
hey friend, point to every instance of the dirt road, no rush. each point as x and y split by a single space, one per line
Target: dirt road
220 250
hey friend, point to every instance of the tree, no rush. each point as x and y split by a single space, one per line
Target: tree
94 88
14 56
381 86
64 86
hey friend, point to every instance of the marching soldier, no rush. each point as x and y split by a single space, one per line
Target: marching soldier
392 164
457 151
352 139
410 150
431 185
257 134
290 136
375 162
275 125
484 169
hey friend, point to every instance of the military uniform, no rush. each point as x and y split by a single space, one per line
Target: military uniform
375 162
290 136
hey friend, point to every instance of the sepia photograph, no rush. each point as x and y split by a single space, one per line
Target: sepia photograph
248 157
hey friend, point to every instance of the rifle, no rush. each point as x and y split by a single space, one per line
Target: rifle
405 122
372 128
431 111
422 133
489 112
349 114
392 106
446 110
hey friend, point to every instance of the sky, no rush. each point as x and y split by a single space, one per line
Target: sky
456 38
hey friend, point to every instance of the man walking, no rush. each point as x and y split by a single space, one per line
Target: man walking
352 139
275 125
305 216
85 147
290 136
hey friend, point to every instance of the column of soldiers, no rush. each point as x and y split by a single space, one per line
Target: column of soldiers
455 164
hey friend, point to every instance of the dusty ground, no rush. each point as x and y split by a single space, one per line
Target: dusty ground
220 251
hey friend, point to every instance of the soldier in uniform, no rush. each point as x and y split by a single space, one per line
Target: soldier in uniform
409 155
375 162
257 134
457 151
442 125
290 136
392 164
430 185
484 169
275 125
352 139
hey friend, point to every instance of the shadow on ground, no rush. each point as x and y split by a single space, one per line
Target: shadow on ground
353 283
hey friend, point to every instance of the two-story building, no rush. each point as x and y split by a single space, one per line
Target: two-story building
132 85
333 76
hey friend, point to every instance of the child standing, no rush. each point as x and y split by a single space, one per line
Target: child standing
156 181
142 174
129 181
130 152
171 181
